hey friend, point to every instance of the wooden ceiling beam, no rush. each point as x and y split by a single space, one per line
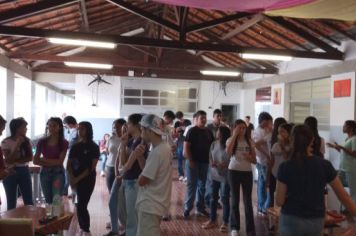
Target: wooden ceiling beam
183 15
84 14
121 62
310 38
138 73
142 13
340 31
247 24
33 9
158 43
215 22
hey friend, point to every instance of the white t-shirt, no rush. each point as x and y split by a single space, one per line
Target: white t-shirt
155 197
262 134
113 147
187 129
238 161
9 145
279 157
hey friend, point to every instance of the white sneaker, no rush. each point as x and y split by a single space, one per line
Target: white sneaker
185 179
234 232
102 173
181 178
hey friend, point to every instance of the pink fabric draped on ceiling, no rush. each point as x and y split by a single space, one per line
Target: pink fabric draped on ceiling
237 5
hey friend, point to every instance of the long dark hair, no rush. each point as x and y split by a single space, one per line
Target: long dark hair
312 123
15 125
59 122
247 135
225 133
300 139
89 128
277 122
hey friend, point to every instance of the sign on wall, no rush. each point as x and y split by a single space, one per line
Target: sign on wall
342 88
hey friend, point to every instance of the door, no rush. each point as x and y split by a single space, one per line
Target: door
230 112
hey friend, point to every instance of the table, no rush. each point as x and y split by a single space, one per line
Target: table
35 213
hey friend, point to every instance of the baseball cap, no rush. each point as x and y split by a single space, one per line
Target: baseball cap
152 122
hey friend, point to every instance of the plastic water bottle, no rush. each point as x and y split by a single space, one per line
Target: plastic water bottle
57 205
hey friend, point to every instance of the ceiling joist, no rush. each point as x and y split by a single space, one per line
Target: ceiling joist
170 44
33 9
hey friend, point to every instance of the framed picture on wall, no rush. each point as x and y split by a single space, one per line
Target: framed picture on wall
342 88
277 95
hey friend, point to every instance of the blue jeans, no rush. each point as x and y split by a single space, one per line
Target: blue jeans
208 189
180 159
131 190
103 158
245 180
263 199
225 198
290 225
349 179
52 182
22 180
114 204
110 176
196 180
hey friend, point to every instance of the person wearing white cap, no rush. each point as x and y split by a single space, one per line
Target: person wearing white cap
155 181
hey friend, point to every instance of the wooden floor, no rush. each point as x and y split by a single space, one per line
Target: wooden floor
99 213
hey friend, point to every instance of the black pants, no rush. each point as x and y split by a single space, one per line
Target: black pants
245 179
110 176
84 191
272 189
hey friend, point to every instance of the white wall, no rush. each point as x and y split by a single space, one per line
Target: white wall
211 96
248 103
108 98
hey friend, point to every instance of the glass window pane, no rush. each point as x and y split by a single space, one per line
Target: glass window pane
149 101
150 93
132 101
132 92
168 94
192 93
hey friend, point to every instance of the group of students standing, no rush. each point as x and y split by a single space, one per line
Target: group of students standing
290 163
289 158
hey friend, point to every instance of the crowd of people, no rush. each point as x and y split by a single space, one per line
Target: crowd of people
214 160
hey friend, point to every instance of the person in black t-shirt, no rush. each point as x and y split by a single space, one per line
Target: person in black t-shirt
300 187
81 165
196 150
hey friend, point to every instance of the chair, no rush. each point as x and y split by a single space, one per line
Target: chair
16 226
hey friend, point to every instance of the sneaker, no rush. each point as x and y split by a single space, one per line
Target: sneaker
111 234
102 173
202 212
219 206
186 215
166 217
185 179
234 232
108 225
86 233
181 178
262 213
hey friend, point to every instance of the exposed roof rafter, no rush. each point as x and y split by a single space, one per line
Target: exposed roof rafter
148 42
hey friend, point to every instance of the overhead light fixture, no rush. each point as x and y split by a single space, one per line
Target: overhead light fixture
220 72
80 42
134 32
88 65
266 57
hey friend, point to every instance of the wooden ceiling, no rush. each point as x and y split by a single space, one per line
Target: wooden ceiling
177 42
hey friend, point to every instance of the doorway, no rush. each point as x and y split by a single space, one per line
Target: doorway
229 113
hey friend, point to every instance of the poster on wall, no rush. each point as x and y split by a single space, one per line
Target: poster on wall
277 95
342 88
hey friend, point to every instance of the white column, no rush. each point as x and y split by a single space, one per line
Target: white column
10 99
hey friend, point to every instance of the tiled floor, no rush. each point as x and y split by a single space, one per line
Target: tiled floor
99 213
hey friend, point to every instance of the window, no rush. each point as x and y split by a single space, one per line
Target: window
157 100
3 84
311 98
